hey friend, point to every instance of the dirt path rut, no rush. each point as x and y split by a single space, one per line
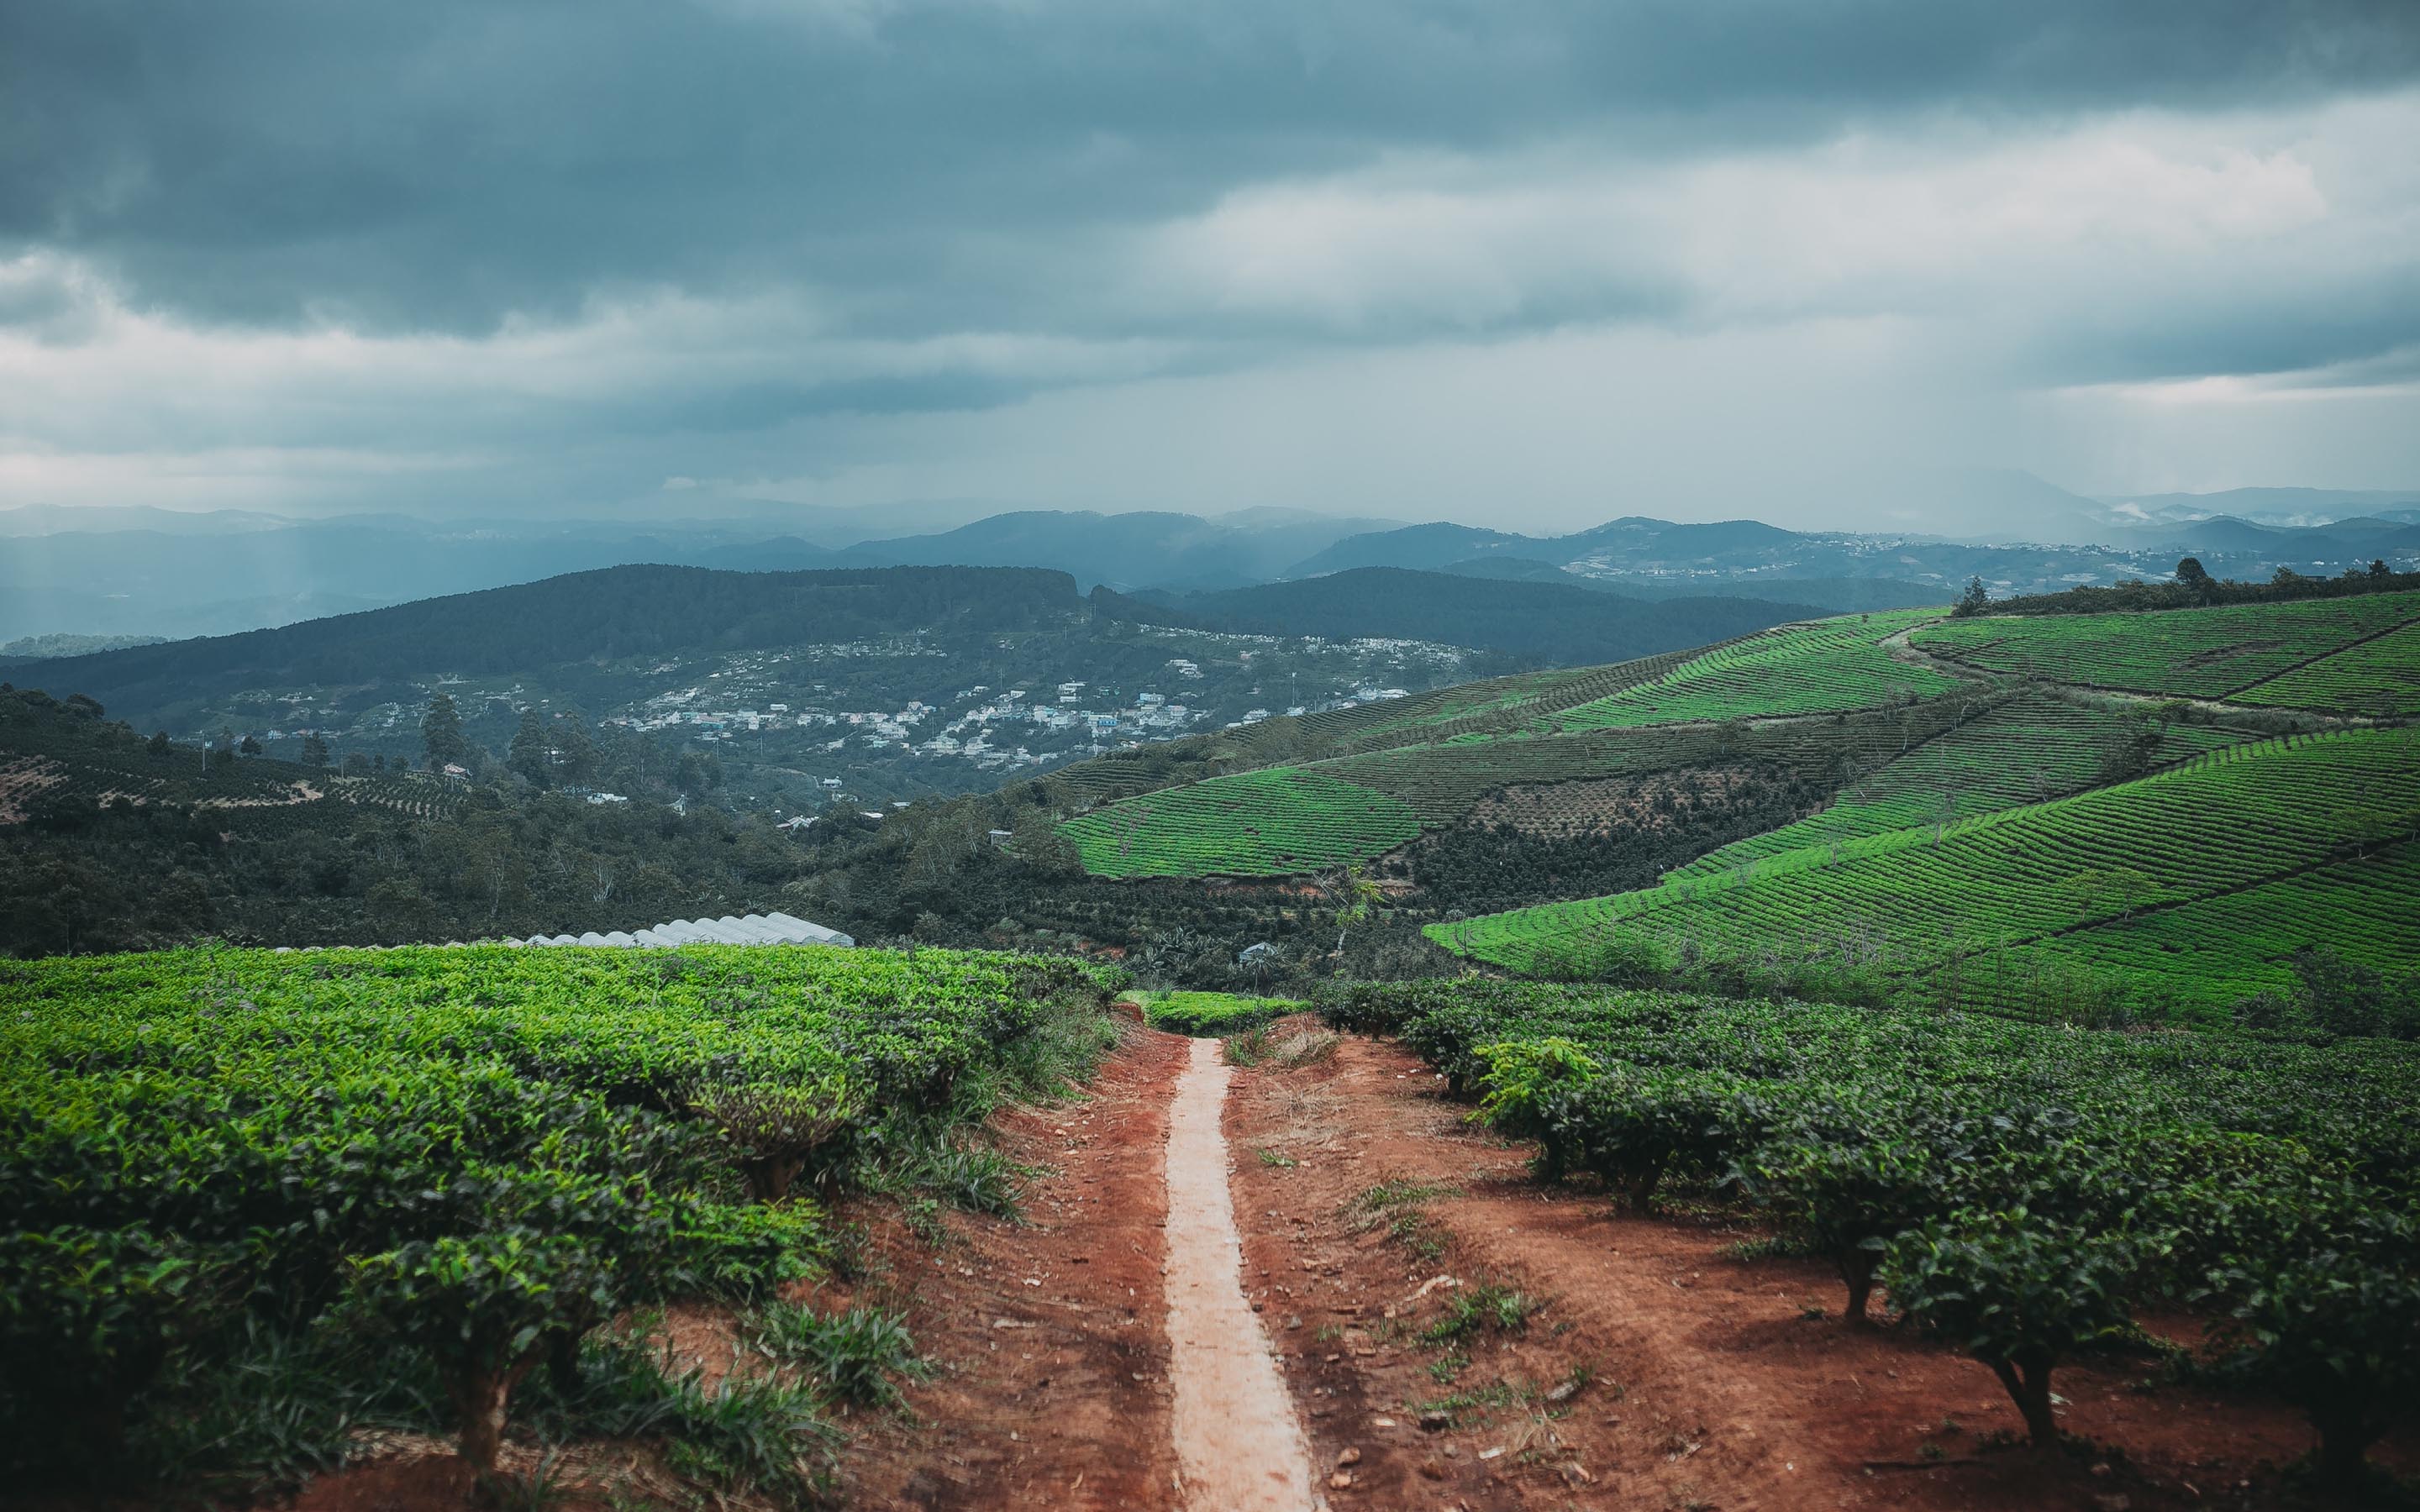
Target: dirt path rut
1239 1446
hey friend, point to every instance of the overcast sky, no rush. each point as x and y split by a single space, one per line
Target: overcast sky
1494 260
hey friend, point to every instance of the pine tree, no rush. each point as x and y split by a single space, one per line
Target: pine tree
440 733
529 752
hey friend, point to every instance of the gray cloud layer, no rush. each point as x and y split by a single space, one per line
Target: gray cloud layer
511 243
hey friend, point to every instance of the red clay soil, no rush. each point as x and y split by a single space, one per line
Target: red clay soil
1707 1384
1050 1338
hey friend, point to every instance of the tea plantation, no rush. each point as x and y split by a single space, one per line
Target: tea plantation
258 1201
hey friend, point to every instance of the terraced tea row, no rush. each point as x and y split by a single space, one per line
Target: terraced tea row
2212 952
2377 678
2029 749
1821 667
1905 900
2192 653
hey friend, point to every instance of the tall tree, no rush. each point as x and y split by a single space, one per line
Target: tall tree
441 731
1974 599
529 752
314 749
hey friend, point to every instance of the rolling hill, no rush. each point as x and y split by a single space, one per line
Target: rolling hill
2012 811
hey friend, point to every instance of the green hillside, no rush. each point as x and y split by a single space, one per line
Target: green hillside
2190 653
1272 822
2379 678
1910 900
2028 750
1823 667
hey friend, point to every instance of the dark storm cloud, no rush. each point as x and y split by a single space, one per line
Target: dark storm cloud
931 167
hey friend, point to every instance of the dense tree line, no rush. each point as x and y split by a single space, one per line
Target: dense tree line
2193 587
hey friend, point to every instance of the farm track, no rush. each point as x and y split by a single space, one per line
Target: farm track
1706 1379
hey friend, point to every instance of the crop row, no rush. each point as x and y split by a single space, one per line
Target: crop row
2222 822
2379 678
2029 749
1473 709
475 1156
1820 667
2015 1192
2212 951
2192 653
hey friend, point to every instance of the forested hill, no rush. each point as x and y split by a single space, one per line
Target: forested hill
1541 623
613 612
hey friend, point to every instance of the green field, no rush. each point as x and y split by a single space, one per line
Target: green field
1212 1014
258 1199
2193 653
1822 667
1905 900
2029 749
2379 678
1268 822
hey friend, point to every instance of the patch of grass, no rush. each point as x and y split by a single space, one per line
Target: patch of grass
1246 1049
1213 1013
1063 1050
1416 1231
858 1357
1394 1192
745 1435
279 1408
1283 1162
1494 1394
972 1177
1448 1368
1488 1307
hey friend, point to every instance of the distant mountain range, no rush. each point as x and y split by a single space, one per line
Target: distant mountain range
614 614
141 571
1544 623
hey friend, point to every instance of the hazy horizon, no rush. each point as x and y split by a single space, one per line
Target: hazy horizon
1526 266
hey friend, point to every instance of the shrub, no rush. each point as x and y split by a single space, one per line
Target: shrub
2018 1291
2330 1320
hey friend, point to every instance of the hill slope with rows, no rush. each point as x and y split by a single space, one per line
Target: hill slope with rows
1910 902
2187 653
1822 667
